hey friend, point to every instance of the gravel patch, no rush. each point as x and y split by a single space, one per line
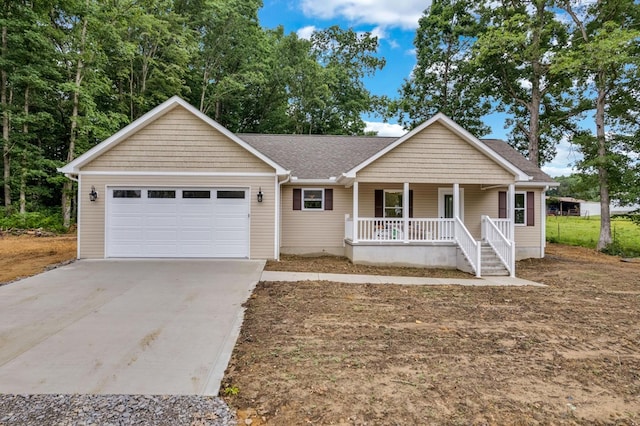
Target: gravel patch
107 410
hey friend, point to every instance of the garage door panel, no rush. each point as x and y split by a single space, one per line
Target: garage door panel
161 221
126 221
160 234
127 234
178 227
196 222
124 205
161 250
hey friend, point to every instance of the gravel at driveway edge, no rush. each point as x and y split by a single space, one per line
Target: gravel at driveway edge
108 410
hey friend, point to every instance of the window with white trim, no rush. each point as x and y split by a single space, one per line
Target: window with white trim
520 208
312 199
392 203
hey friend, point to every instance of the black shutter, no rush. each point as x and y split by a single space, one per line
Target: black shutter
297 199
379 203
502 205
411 203
531 211
328 199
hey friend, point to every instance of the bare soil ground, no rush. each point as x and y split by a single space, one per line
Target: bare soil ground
26 255
328 353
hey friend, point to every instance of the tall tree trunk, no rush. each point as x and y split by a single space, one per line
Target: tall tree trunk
534 123
6 154
603 173
536 90
67 188
23 166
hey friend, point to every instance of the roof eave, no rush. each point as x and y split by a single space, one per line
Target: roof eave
537 184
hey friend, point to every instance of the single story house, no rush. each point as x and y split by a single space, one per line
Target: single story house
175 183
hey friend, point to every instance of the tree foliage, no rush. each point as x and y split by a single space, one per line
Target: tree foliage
444 78
603 61
73 72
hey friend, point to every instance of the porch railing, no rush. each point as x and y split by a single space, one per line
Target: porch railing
469 246
503 246
504 225
394 230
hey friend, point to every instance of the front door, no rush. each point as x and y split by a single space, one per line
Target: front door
445 211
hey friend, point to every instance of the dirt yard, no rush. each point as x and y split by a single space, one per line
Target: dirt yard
325 353
26 255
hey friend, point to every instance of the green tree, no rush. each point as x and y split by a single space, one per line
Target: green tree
77 28
346 58
444 78
230 56
604 60
514 53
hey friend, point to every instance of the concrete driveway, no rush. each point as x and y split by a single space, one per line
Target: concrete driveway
123 327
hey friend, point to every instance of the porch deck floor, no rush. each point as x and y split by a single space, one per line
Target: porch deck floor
382 279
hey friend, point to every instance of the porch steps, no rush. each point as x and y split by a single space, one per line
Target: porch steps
491 264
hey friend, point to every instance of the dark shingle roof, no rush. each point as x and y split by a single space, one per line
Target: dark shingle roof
507 152
323 156
317 156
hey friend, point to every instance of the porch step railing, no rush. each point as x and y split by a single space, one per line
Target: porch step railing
469 247
504 225
504 247
394 230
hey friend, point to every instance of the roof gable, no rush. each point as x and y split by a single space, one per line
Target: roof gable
519 174
74 166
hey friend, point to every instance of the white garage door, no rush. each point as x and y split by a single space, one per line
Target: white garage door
177 222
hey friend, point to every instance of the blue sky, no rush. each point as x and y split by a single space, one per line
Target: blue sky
394 22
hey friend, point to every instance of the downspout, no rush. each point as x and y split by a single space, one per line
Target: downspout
278 235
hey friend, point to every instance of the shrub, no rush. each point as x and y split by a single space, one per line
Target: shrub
49 220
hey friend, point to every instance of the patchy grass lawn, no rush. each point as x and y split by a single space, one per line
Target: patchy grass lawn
585 232
327 353
26 255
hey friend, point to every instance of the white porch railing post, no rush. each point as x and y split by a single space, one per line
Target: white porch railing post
511 204
478 260
356 222
456 201
405 211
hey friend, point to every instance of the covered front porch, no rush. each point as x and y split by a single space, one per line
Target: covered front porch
464 235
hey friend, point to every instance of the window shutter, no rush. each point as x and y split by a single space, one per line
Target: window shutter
328 199
531 211
411 203
379 203
297 199
502 205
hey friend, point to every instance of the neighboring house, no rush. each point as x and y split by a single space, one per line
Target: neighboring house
175 183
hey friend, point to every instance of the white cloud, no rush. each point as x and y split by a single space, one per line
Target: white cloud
305 32
403 13
379 32
384 129
562 164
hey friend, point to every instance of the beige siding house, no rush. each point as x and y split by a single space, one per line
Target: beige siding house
175 183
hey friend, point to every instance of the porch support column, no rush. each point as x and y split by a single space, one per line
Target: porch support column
405 211
456 200
511 204
354 237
